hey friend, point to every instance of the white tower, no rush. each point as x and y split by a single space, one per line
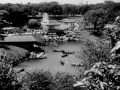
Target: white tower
45 21
45 18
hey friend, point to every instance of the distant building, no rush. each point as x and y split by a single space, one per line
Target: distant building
48 24
8 29
71 23
53 24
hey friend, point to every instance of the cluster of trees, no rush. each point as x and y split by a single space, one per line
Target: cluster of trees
53 8
97 18
101 14
13 18
17 14
34 24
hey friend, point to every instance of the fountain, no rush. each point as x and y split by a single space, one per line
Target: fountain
45 20
48 24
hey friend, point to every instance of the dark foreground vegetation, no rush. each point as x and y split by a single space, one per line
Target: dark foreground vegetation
102 66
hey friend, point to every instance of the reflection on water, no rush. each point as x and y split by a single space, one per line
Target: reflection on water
52 63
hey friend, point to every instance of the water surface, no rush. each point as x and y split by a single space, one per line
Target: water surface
52 63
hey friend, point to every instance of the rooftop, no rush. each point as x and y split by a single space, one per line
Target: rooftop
8 28
20 38
69 20
53 23
2 35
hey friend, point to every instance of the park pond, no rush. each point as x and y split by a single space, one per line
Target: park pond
52 63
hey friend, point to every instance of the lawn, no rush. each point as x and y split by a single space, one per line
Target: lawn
13 52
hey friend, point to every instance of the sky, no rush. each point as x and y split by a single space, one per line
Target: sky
60 1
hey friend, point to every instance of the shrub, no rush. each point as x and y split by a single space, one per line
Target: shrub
8 78
41 80
94 52
33 24
64 81
112 33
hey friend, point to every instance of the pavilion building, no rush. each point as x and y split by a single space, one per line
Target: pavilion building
24 41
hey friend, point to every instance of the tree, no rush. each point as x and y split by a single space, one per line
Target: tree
97 18
37 80
68 9
8 77
64 81
33 23
3 16
44 80
83 9
95 51
17 16
112 10
112 32
55 8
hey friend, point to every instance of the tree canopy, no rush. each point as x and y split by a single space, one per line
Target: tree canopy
18 13
3 16
97 18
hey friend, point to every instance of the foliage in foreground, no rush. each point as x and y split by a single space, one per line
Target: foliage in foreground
112 32
104 74
8 78
64 81
101 76
37 81
43 80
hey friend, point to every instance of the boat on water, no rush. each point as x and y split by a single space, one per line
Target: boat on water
65 55
73 39
63 51
67 52
57 50
37 56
